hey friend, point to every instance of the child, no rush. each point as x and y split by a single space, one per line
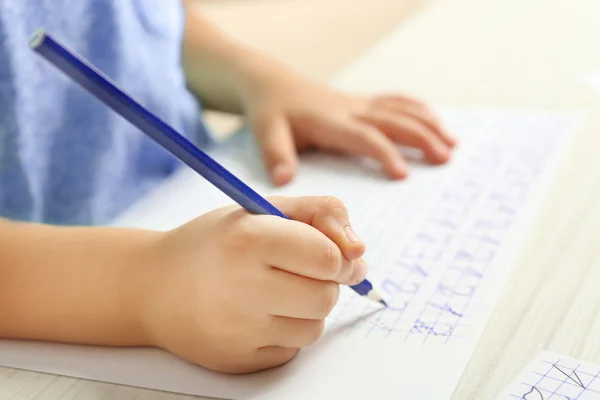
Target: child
67 162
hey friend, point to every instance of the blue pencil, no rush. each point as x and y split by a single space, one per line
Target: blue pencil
83 73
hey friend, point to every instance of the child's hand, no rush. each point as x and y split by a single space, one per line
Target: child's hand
236 292
290 114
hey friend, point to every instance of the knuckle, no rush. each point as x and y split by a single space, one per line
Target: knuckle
243 235
333 260
331 201
328 299
364 132
331 205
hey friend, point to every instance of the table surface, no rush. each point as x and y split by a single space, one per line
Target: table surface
525 54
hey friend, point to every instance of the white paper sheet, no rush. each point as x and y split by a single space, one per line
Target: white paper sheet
440 247
552 376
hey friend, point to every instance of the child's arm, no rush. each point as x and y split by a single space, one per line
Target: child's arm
289 113
218 69
76 285
229 291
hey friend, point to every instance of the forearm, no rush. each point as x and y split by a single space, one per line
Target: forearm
220 71
74 285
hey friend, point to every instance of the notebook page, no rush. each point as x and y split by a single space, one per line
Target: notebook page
440 247
552 376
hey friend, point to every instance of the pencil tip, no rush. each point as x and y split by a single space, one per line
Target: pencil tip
373 295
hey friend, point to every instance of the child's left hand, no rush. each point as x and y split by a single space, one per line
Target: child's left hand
289 115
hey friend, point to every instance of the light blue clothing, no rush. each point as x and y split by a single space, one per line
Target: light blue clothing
65 158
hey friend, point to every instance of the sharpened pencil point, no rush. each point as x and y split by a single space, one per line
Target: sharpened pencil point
373 295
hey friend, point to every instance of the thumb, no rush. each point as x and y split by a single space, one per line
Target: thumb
328 215
275 138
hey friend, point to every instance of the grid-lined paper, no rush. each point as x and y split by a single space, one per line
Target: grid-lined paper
555 377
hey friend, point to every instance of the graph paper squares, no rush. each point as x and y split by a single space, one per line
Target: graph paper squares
442 262
555 377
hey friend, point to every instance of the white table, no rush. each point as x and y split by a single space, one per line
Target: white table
490 54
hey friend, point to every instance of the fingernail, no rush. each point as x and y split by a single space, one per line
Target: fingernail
351 235
360 272
280 173
441 150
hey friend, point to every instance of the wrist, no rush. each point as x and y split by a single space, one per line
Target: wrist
141 285
74 285
264 79
226 75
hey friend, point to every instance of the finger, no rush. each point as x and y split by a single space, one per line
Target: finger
277 146
366 140
407 131
329 216
295 296
304 251
294 245
423 116
272 356
293 332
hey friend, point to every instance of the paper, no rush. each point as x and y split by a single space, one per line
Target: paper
440 247
554 377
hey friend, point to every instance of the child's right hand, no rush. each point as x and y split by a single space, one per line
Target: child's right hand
236 292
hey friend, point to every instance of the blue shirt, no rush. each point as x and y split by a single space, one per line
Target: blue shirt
65 158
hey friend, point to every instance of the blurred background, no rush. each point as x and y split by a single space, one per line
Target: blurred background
317 37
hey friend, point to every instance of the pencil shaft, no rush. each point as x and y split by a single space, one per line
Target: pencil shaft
109 93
